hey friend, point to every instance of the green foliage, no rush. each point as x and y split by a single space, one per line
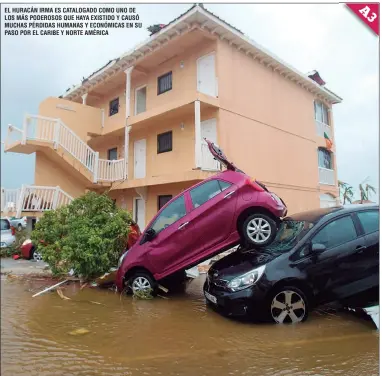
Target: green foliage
346 191
14 249
88 236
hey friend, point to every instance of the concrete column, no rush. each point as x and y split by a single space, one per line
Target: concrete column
126 156
198 137
128 72
84 98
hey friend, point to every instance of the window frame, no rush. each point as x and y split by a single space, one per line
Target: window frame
108 153
158 143
136 102
331 158
110 106
159 197
159 92
324 107
358 220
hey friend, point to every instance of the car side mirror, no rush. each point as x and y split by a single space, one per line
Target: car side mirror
318 248
150 234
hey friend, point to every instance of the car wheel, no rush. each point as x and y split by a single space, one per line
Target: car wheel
36 256
259 229
19 227
141 282
287 305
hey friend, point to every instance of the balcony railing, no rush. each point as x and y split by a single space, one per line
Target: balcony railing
321 128
111 170
326 176
33 198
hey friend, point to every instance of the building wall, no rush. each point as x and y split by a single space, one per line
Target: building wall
48 173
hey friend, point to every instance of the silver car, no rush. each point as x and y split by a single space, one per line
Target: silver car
7 233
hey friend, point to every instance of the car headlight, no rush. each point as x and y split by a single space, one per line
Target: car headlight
247 279
28 241
121 259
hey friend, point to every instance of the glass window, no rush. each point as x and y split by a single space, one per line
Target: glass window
337 232
369 220
113 107
321 113
5 224
112 154
165 83
140 97
224 185
164 142
204 192
324 159
175 211
163 200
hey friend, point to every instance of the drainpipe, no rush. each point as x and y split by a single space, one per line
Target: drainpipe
198 139
84 98
128 72
126 156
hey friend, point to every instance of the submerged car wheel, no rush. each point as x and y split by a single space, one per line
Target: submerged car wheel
288 305
142 282
259 229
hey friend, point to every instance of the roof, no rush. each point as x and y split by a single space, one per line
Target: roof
199 17
313 216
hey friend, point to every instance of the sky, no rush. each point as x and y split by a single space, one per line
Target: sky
325 37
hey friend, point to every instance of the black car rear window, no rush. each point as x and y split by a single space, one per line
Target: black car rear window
5 224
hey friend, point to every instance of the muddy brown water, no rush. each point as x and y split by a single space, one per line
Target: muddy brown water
176 336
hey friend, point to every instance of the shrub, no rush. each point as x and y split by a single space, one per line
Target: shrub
14 249
88 236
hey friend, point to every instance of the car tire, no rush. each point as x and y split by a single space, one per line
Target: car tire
19 227
266 234
286 305
141 281
36 256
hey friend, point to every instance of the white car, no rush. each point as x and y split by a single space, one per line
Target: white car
7 233
19 223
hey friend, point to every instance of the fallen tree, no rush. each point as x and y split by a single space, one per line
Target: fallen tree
88 236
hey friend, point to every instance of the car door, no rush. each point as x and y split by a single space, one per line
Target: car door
173 236
213 209
333 271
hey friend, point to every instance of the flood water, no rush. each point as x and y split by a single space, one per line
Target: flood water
176 336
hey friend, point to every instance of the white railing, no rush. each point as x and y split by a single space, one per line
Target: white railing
33 198
14 135
39 128
321 128
111 170
9 199
326 176
208 161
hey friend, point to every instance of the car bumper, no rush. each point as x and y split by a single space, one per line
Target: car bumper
237 303
7 241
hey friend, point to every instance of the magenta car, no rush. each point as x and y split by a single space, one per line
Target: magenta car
204 220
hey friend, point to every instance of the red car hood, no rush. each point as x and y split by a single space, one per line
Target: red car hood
219 155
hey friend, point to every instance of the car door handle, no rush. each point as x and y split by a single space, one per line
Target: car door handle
360 249
229 194
183 225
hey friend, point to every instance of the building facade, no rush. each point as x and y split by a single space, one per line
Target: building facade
136 126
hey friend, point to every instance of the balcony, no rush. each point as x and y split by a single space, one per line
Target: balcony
322 128
326 176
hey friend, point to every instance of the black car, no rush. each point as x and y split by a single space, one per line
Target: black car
317 257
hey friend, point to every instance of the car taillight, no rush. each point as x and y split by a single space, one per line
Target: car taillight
255 185
13 230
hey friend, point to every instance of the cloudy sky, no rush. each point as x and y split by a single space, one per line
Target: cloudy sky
326 37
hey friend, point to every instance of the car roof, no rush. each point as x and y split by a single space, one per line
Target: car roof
314 216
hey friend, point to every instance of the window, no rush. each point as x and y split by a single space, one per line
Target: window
325 158
321 112
206 191
140 100
112 154
338 232
369 220
165 83
175 211
165 142
114 107
5 224
163 200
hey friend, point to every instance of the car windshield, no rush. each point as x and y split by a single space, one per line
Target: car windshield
289 234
